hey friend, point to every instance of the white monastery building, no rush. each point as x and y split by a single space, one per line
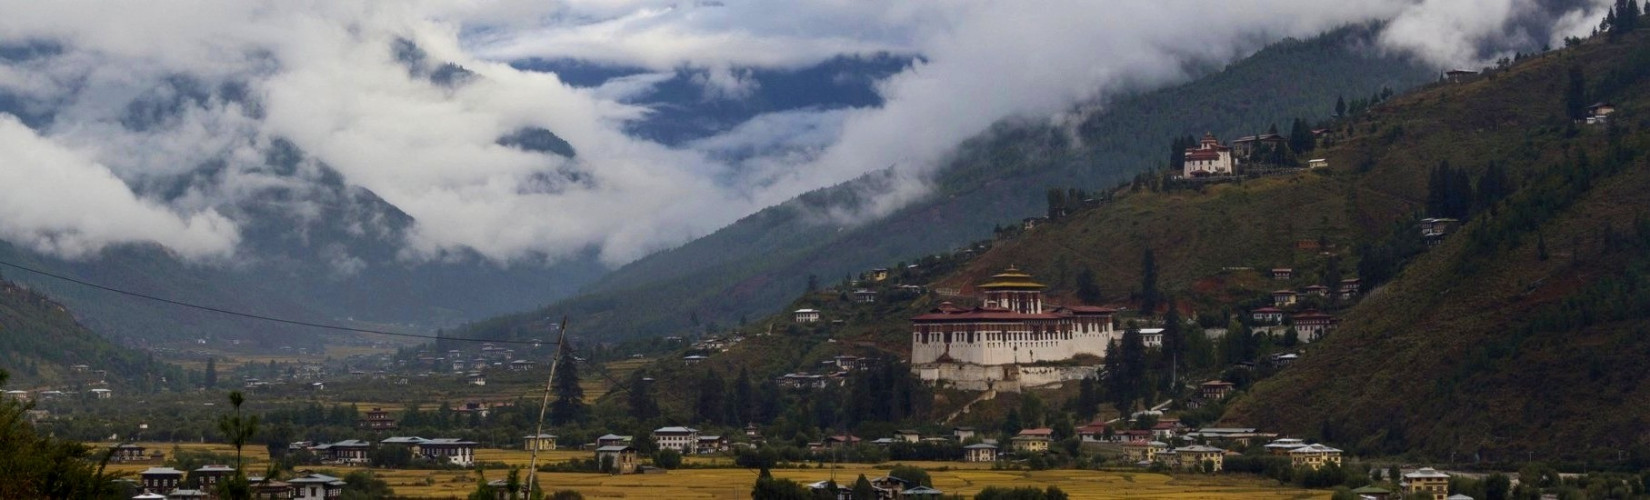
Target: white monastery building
982 347
1208 158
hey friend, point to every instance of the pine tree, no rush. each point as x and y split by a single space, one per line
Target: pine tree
743 399
568 406
1340 106
1148 283
1575 94
210 379
710 402
643 404
1088 288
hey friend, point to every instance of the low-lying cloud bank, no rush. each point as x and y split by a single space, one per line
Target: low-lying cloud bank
97 97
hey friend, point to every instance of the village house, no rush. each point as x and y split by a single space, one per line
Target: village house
612 440
1033 440
1238 437
1458 76
312 486
347 452
693 359
803 381
1317 290
1312 325
521 365
1283 273
1215 390
1599 113
1200 458
1165 429
711 444
161 479
681 439
840 440
1266 316
1314 456
907 435
101 393
1011 327
540 442
1281 447
449 451
1136 452
1350 288
1133 435
962 433
1427 480
1208 158
617 459
879 274
1372 492
1151 337
208 476
807 315
980 452
128 452
186 494
1317 163
1095 432
1434 229
1283 298
377 419
865 296
1248 146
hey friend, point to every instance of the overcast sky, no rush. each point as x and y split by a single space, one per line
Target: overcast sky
322 74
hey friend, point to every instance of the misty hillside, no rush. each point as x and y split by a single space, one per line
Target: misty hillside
757 264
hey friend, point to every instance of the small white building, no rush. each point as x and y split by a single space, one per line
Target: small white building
1208 158
101 393
807 315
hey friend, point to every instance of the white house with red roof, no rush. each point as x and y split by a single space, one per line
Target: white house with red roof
988 343
1311 324
1208 158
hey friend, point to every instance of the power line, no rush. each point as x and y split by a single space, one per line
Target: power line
256 316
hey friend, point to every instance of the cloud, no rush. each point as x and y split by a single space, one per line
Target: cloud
222 83
57 201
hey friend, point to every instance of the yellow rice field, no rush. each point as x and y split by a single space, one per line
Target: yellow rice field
963 478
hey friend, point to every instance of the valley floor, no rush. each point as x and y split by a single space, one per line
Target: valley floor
735 483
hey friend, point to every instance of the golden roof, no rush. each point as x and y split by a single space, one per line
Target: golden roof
1012 278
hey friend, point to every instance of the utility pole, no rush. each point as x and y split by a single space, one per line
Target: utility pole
533 463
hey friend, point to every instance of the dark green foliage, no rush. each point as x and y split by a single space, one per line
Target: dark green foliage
568 407
38 332
863 488
1126 377
1088 288
914 474
1148 283
364 485
1021 493
39 466
667 459
768 488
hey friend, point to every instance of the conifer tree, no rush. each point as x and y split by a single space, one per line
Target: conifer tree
1148 283
568 406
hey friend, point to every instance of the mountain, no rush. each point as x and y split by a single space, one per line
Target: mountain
755 265
41 343
1523 333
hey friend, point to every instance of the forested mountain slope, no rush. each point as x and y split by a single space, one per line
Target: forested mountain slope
757 264
1522 334
41 342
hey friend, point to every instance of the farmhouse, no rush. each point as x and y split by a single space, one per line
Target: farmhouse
617 459
612 440
807 315
981 452
1267 315
128 452
1427 480
376 420
1208 158
1317 290
1248 146
210 475
1283 446
1143 451
1314 456
1215 390
316 486
161 479
348 451
1283 298
1312 325
1033 440
1283 273
540 442
681 439
1197 457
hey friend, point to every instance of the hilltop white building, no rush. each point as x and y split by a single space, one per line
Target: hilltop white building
1208 158
987 346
